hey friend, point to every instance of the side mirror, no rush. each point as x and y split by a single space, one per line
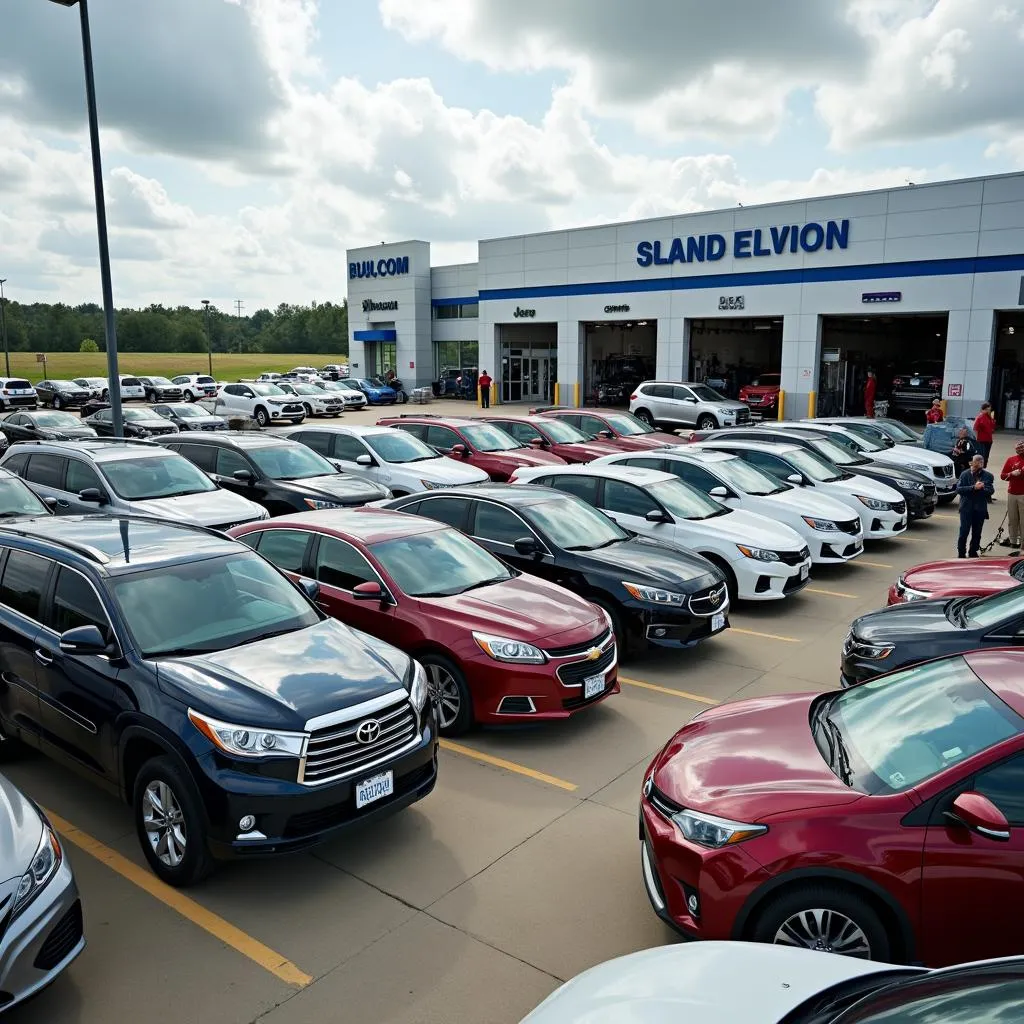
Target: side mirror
605 435
795 478
310 588
242 475
50 502
364 460
692 401
981 816
460 451
657 515
537 442
527 546
83 641
720 493
93 495
369 591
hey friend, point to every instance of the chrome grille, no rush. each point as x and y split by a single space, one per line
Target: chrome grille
853 526
337 751
710 601
575 672
579 649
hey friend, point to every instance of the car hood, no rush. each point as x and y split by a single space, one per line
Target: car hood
697 981
750 760
445 471
67 433
883 471
524 608
963 576
868 487
751 528
805 501
284 681
347 488
208 508
914 620
588 450
902 454
641 560
20 831
522 457
202 419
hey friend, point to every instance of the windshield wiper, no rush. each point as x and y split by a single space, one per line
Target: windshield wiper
484 583
842 756
26 512
269 635
182 652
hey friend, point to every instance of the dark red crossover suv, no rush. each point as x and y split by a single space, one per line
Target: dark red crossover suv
478 442
498 645
618 428
555 436
885 821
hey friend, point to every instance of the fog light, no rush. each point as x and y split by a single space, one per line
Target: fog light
659 632
247 823
693 905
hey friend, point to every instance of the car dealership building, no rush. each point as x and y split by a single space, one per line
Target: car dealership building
923 280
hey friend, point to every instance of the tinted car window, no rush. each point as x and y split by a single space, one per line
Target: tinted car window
445 510
75 604
1004 786
584 487
203 456
23 582
443 438
46 470
681 394
657 391
627 499
520 431
348 448
695 476
339 565
81 475
498 524
319 441
641 463
230 462
285 548
16 498
416 429
17 464
769 463
984 999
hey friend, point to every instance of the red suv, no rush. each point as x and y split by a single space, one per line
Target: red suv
971 577
555 436
498 645
621 429
480 443
884 821
762 394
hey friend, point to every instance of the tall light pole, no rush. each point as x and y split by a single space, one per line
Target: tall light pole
3 327
209 337
113 378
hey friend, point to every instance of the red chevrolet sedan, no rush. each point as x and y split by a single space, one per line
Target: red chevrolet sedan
481 444
498 645
617 427
885 821
555 436
956 577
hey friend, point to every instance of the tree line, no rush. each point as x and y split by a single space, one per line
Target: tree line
55 327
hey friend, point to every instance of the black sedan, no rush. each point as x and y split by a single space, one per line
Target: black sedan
137 423
653 593
44 425
905 634
61 394
160 389
190 417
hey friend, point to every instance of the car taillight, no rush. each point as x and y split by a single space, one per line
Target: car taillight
897 382
633 397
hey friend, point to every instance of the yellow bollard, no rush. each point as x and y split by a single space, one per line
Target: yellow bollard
782 405
942 405
576 394
479 397
812 404
557 396
494 393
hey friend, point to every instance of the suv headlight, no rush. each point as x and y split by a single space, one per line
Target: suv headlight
870 652
825 525
248 740
909 485
758 554
909 593
875 504
502 649
420 688
317 503
714 832
652 595
41 868
428 486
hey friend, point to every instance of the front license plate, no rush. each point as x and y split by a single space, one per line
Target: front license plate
804 572
374 789
592 686
717 622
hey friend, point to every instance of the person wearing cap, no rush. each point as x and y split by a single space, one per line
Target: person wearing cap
934 414
1013 474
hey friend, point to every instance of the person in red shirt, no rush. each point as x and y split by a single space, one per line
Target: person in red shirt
985 429
1013 474
484 383
869 395
934 414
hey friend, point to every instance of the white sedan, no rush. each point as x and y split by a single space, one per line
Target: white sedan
762 560
882 510
833 534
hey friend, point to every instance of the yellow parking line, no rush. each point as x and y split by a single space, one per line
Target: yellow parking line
211 923
874 565
830 593
668 690
765 636
510 766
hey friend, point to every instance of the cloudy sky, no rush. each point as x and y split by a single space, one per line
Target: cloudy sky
248 143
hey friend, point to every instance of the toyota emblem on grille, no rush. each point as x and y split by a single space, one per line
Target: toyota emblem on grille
368 731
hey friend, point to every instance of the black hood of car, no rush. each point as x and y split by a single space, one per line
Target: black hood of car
68 434
645 561
918 621
284 681
336 487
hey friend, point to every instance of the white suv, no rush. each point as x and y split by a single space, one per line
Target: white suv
392 458
17 393
196 386
263 403
316 401
762 560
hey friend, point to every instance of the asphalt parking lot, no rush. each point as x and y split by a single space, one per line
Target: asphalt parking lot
519 871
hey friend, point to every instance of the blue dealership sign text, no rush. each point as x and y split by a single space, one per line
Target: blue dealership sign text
391 267
750 242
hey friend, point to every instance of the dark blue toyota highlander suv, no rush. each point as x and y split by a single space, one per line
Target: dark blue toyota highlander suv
184 673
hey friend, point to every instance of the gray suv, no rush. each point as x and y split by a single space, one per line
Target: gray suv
672 405
113 475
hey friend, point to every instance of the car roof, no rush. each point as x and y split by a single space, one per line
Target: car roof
99 449
611 471
356 429
368 525
1002 671
516 417
521 495
742 442
239 438
693 451
799 431
444 421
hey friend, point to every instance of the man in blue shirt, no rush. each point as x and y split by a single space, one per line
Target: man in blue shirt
975 486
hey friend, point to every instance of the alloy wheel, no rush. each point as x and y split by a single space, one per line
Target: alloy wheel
826 931
446 693
164 823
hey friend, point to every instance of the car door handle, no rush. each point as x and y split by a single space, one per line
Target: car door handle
42 657
62 503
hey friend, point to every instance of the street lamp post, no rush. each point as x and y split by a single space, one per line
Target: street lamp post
3 327
209 337
113 378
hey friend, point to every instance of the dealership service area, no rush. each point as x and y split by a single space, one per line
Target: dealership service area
923 285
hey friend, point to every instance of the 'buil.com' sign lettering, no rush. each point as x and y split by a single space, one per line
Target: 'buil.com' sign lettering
391 267
750 242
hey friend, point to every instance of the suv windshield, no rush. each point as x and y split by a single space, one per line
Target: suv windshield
420 562
488 438
209 605
906 727
18 500
872 433
990 611
684 501
56 419
858 443
900 431
266 389
745 477
562 433
187 412
706 394
154 476
565 520
627 424
65 385
813 466
290 462
398 446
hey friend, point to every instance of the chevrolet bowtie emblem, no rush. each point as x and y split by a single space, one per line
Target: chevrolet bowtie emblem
593 654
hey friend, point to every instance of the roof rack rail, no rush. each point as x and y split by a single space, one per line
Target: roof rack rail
420 416
536 410
121 440
93 554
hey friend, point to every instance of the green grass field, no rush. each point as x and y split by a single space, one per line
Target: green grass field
68 365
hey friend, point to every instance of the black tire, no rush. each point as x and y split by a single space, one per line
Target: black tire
57 402
401 398
622 637
105 395
308 408
726 570
643 414
195 863
189 397
455 703
821 896
151 397
707 422
261 416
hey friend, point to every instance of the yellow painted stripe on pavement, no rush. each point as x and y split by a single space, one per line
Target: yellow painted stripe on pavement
765 636
211 923
510 766
873 565
667 689
830 593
